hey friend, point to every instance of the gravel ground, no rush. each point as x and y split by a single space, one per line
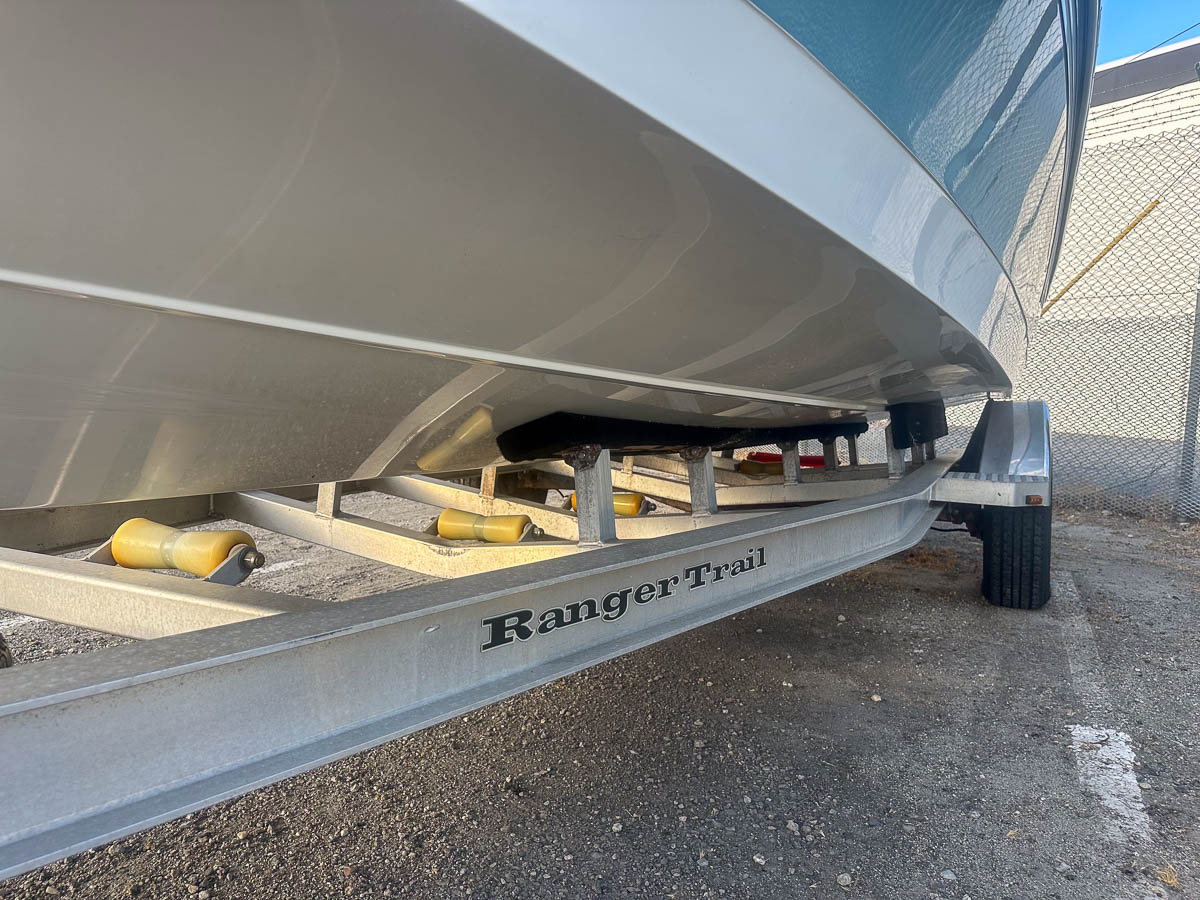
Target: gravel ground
883 735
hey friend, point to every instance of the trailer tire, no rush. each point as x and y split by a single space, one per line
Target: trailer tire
6 657
1016 556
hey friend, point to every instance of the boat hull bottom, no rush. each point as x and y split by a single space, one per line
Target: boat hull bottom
114 402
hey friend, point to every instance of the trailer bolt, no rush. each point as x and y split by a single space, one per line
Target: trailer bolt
583 456
253 559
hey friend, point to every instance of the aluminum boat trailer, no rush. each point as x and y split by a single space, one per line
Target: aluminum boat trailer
98 746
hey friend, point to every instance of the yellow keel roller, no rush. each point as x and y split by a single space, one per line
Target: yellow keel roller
475 427
755 467
459 525
142 544
624 504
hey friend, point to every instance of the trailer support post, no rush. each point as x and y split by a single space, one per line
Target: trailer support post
329 499
702 482
791 462
829 448
593 493
895 456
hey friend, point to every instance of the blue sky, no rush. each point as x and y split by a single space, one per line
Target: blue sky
1128 27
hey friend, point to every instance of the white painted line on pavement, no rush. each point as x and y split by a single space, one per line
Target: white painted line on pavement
1104 756
17 620
1105 760
280 566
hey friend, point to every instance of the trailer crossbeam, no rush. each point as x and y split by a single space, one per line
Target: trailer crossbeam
380 541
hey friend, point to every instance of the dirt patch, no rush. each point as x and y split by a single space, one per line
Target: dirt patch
942 559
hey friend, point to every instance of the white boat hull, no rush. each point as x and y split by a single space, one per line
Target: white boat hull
251 245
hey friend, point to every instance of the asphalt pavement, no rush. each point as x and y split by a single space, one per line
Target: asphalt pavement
886 734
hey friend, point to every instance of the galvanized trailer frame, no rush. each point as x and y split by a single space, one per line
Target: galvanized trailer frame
97 746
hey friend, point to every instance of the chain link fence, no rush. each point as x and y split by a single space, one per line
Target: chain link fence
1117 357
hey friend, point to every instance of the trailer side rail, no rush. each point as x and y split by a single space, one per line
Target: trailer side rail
98 746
